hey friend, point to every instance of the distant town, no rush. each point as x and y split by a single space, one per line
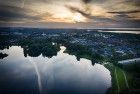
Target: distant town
125 46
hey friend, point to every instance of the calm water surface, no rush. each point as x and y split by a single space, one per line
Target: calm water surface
61 74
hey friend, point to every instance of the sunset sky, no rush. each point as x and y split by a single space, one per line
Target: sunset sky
70 13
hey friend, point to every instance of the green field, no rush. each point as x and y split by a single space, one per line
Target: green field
120 79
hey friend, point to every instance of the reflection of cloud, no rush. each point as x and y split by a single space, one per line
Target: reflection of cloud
37 73
65 70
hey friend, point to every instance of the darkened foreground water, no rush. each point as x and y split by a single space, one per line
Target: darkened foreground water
60 74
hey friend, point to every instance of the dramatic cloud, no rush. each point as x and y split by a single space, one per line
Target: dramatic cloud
125 12
92 13
74 9
12 13
133 2
86 1
90 16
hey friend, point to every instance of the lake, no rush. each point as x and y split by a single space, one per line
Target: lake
60 74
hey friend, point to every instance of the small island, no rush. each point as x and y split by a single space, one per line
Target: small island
3 55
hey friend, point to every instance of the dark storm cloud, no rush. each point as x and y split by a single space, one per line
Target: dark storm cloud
118 16
124 18
89 16
124 15
93 1
125 12
10 13
74 9
134 2
121 17
86 1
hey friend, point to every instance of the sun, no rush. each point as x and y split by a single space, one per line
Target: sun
78 18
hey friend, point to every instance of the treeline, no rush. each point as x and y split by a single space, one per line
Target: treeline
35 47
82 51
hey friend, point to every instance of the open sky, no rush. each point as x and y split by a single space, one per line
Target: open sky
70 13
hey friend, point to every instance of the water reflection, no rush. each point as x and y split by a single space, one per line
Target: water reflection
60 74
